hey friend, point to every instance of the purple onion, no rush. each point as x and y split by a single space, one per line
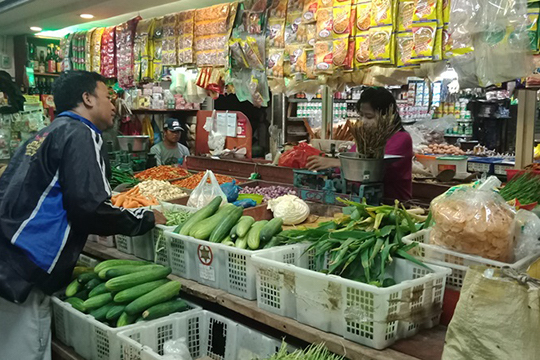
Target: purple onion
268 192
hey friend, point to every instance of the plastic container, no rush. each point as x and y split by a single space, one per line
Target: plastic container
501 167
456 261
456 163
482 165
429 162
91 339
207 335
213 264
289 283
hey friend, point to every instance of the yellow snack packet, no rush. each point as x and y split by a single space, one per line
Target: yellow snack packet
404 49
276 33
310 64
275 63
425 10
382 12
342 2
424 40
446 11
363 16
340 47
324 54
361 53
297 58
341 21
324 23
380 45
437 49
325 3
310 10
405 14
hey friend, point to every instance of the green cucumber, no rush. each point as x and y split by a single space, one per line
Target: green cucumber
203 229
165 309
223 228
241 242
254 234
139 319
83 294
73 288
126 281
138 291
92 284
98 290
116 262
243 226
207 211
86 277
127 269
78 304
233 235
126 319
154 297
273 227
115 312
98 301
101 313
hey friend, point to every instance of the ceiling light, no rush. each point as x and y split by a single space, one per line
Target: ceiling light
87 16
35 28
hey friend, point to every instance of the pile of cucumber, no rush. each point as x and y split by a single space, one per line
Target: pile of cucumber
226 225
122 292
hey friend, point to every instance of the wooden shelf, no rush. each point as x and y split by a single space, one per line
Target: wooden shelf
46 74
427 345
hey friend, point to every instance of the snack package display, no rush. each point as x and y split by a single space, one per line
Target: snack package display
341 21
474 221
349 59
275 63
361 57
254 52
294 29
142 50
297 58
404 48
405 14
108 53
324 23
125 36
310 10
212 31
276 33
324 4
425 10
533 11
235 45
95 49
424 34
340 51
382 12
277 9
88 49
155 47
185 37
381 49
310 64
363 16
324 54
169 43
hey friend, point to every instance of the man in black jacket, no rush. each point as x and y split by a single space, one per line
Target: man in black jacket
53 194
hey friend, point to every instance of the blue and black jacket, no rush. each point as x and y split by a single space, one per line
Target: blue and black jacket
53 194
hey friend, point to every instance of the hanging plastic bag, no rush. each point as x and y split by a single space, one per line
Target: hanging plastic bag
297 157
207 189
497 317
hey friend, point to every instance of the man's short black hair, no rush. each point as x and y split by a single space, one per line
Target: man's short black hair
71 85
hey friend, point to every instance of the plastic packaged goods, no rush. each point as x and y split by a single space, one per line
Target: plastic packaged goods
185 37
406 12
340 51
276 33
88 50
342 20
206 191
324 23
125 35
156 50
253 48
363 16
108 53
169 43
424 34
404 48
361 55
381 45
275 63
142 50
297 58
474 221
382 12
324 54
310 11
95 49
212 30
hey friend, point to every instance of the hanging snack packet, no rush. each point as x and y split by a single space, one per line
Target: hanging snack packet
404 49
277 9
363 16
425 10
349 59
382 12
340 51
276 33
361 55
88 50
275 63
252 53
297 58
341 21
405 14
424 40
380 45
237 53
310 64
310 10
96 49
324 54
446 11
293 28
325 4
438 47
324 24
311 34
533 11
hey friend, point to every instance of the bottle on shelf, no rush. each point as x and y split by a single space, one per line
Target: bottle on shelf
51 63
58 59
41 68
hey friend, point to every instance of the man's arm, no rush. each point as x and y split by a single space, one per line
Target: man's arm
87 193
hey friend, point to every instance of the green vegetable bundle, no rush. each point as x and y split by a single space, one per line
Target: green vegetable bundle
362 245
313 352
121 292
524 187
122 177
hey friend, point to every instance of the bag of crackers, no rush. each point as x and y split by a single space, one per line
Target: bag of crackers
474 220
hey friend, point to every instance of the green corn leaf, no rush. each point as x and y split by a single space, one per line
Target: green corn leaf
411 258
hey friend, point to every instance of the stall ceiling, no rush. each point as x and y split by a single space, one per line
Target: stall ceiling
65 14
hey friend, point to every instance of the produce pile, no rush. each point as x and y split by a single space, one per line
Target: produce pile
524 187
122 177
176 217
442 149
192 181
360 246
122 292
534 166
312 352
268 192
226 225
161 190
162 172
132 199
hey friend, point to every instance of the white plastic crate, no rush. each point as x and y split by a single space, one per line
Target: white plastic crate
500 169
88 261
124 243
160 244
288 285
456 261
206 334
91 339
213 264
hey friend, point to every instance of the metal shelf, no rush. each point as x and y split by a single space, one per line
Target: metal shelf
294 100
458 136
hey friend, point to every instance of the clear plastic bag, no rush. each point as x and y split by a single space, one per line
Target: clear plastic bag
474 220
430 131
207 189
176 350
528 234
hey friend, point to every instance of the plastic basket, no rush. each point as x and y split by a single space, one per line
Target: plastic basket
124 243
456 261
206 334
213 264
91 339
160 244
500 168
88 261
287 285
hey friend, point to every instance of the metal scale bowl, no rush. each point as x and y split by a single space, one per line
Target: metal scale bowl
359 178
137 146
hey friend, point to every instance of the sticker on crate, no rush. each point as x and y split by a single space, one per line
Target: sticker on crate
206 256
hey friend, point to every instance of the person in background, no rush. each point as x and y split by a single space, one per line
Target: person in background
53 194
398 176
170 151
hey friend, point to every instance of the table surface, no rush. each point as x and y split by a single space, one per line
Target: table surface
427 345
